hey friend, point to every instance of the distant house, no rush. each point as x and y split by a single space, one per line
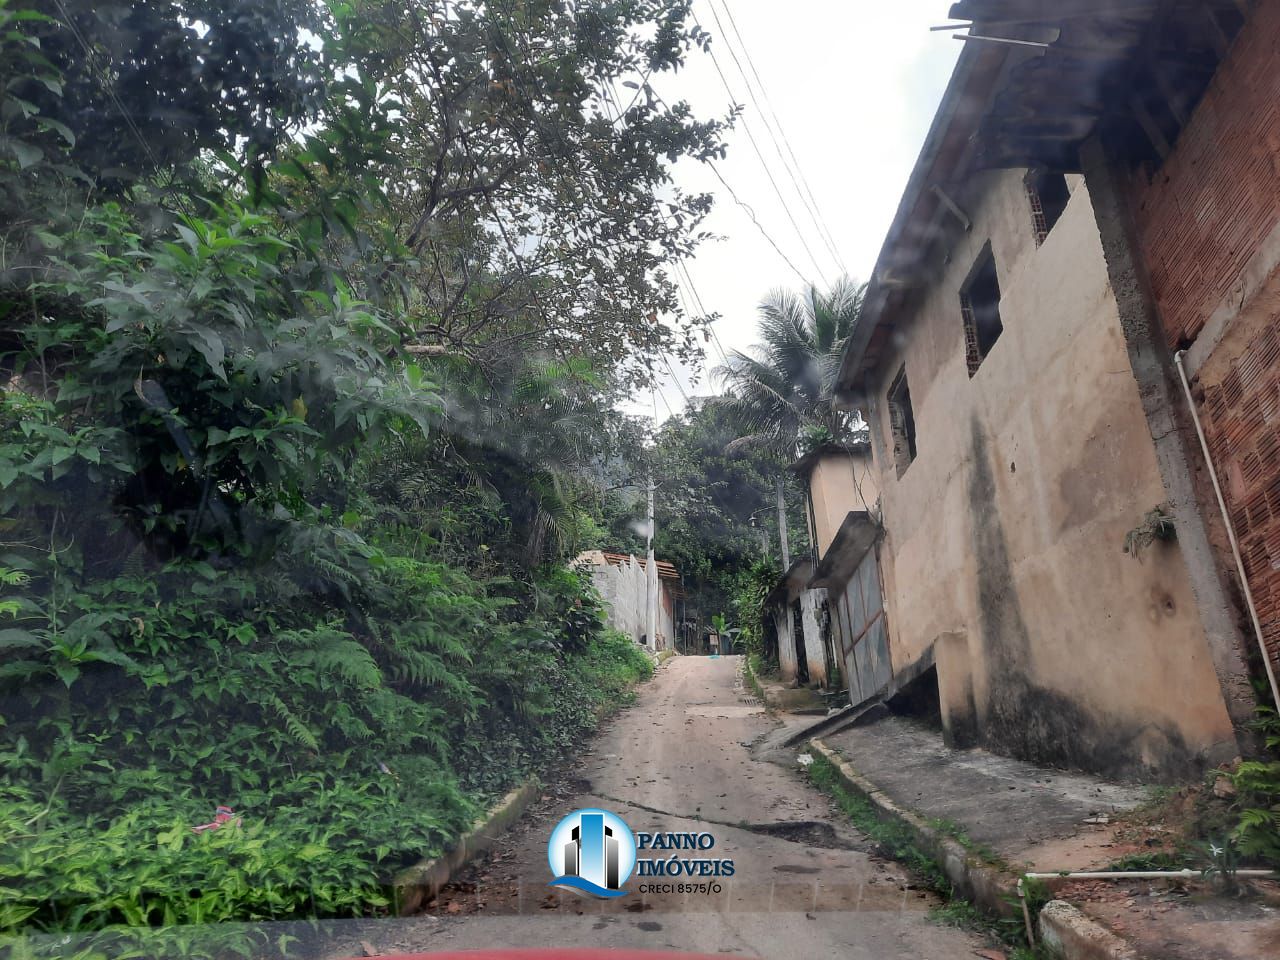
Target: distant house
622 581
844 524
792 608
1073 221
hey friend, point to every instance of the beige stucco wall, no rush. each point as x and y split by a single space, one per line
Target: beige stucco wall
838 483
1004 536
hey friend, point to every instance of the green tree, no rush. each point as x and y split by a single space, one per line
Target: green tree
786 384
284 476
539 206
785 387
138 86
714 507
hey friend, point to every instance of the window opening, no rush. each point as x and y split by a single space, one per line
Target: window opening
980 309
1048 195
902 421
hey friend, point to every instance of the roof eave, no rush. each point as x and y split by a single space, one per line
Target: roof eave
883 281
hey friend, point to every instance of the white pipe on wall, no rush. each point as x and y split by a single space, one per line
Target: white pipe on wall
1226 519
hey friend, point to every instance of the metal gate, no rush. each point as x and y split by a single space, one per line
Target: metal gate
862 631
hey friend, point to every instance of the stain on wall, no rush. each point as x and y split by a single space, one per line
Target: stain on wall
1021 717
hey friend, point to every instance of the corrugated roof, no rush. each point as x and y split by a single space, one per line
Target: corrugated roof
667 571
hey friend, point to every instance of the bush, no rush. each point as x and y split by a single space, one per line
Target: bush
1257 784
351 744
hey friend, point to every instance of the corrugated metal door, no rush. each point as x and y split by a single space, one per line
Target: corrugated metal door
864 638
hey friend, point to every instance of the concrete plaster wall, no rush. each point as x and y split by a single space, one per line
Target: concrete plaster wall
782 622
815 654
625 593
1003 550
839 483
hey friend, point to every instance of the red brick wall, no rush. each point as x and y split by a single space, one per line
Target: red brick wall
1218 194
1241 416
1200 221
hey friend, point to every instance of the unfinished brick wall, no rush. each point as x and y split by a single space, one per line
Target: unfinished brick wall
1215 198
1241 416
1200 221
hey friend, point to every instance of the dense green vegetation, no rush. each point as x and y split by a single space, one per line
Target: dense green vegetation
309 352
719 518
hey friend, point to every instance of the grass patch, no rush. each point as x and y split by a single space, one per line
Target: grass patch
958 913
1155 860
983 852
894 839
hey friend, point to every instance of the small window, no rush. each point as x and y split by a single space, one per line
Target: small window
902 421
980 308
1048 196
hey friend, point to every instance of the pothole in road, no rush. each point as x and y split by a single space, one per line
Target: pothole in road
812 833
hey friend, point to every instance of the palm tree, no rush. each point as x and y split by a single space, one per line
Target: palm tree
786 385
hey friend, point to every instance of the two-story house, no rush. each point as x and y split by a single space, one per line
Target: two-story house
1045 558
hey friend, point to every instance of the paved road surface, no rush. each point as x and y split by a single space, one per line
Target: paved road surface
805 884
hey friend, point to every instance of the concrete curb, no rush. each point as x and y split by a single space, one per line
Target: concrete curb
992 888
754 684
1067 932
988 886
416 885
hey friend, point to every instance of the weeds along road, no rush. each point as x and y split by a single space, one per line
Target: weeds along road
680 759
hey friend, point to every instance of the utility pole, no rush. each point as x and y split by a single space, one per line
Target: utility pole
651 578
786 554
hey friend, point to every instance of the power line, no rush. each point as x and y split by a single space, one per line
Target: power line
811 203
759 226
701 307
693 309
676 380
750 213
763 163
656 391
610 98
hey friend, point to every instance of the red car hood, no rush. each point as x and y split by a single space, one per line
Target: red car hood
551 953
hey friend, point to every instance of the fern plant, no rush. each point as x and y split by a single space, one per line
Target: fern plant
1257 784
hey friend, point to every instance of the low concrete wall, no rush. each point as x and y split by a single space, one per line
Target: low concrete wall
1066 932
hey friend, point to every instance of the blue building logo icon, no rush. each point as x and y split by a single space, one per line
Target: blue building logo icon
592 851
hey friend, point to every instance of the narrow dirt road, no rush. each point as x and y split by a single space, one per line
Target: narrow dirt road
680 759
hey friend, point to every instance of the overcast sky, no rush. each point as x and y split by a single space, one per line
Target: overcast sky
854 86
